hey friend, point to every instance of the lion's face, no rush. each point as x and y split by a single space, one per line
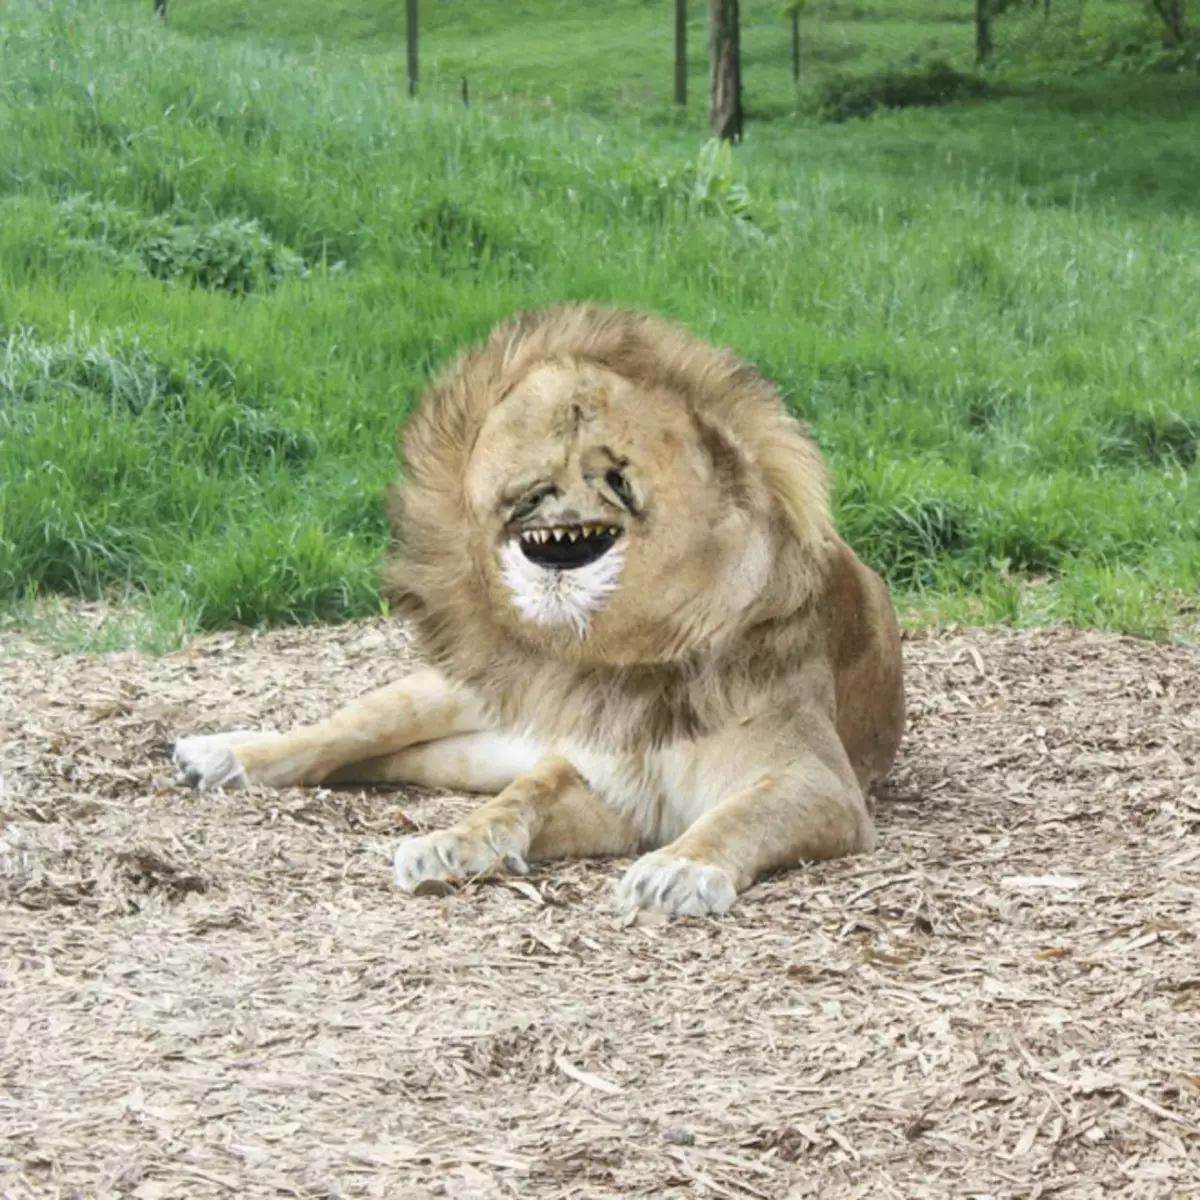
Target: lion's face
611 524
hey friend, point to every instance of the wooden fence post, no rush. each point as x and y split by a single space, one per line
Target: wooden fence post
681 51
410 31
983 31
796 44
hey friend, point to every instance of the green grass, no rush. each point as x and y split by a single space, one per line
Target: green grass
230 258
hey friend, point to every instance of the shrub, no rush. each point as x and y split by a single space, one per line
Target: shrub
230 255
843 97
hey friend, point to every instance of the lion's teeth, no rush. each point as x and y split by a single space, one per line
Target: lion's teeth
571 533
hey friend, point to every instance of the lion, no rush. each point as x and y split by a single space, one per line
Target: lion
615 547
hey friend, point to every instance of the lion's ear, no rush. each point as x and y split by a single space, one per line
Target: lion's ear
787 464
798 480
779 459
731 465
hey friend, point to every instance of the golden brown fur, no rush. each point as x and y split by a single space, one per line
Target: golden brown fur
713 676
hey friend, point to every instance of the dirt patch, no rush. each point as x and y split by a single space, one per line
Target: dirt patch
225 996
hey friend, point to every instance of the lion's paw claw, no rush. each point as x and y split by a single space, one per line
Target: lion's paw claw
447 855
209 761
672 884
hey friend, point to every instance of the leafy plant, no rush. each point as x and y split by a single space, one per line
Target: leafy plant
230 255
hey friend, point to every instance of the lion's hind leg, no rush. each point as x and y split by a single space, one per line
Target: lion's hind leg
210 760
485 762
421 708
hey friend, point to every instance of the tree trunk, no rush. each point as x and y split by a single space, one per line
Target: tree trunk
410 33
724 71
681 51
160 9
1171 12
983 31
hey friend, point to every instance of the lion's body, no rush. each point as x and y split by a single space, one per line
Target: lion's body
616 550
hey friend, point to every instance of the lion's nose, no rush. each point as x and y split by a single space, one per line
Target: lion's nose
555 515
563 509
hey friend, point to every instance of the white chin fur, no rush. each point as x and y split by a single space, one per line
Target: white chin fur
546 597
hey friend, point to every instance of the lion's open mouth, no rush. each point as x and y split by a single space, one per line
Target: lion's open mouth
566 547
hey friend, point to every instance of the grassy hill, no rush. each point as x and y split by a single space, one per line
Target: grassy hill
232 250
614 57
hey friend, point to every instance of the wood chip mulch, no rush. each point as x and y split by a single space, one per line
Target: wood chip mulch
225 996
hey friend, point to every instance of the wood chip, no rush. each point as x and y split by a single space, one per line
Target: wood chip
586 1077
218 995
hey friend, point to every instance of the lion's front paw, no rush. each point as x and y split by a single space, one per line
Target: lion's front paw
211 761
456 854
673 884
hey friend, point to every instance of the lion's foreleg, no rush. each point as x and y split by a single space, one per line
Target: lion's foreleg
549 812
805 809
419 708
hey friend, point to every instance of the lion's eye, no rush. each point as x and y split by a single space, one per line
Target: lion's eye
528 504
619 486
